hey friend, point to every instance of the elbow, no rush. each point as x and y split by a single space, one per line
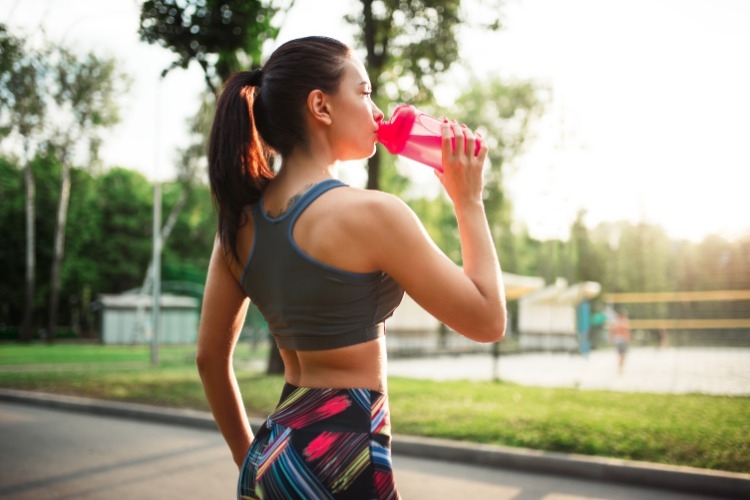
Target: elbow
499 333
496 332
491 330
205 361
201 362
494 329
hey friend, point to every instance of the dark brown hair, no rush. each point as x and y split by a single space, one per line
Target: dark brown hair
261 113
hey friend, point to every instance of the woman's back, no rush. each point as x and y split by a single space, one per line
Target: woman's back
324 300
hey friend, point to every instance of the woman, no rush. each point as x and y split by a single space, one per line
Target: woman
326 264
620 332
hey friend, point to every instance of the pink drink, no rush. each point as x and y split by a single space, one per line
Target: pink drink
415 135
426 149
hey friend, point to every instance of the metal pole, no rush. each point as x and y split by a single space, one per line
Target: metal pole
156 278
156 253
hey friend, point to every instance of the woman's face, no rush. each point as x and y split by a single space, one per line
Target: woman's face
355 117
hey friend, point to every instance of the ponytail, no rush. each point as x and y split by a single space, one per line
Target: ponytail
260 113
238 159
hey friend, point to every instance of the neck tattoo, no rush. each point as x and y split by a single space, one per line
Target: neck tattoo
290 203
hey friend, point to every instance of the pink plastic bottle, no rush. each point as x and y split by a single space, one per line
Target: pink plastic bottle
414 135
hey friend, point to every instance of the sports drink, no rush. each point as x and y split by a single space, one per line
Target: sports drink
414 135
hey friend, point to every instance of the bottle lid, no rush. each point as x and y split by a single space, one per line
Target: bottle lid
394 134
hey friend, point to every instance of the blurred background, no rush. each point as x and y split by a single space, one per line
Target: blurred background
617 175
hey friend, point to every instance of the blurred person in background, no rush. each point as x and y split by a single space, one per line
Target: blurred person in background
619 332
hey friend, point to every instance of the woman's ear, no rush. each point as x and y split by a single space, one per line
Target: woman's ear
319 106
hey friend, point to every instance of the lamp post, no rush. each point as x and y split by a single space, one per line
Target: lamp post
156 247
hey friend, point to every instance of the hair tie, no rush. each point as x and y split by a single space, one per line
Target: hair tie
255 78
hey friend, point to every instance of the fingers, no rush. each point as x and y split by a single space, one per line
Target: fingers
470 141
460 139
464 140
447 135
460 145
481 148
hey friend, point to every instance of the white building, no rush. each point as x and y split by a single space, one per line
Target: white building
547 318
126 319
412 329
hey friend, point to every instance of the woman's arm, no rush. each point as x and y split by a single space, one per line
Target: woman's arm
222 317
471 300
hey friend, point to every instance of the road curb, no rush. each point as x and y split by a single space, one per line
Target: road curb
610 470
675 478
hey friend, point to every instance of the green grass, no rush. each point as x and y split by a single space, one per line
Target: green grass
68 354
695 430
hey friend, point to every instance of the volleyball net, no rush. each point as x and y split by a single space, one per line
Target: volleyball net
707 317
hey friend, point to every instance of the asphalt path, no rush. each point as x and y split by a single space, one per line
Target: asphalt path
58 454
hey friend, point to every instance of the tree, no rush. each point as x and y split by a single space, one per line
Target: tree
588 264
503 112
12 206
407 46
84 90
22 112
124 202
222 36
56 102
80 272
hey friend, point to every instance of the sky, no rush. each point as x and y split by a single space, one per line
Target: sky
647 107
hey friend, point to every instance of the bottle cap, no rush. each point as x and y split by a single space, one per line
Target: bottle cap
394 134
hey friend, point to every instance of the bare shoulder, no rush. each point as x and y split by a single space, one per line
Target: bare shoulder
378 225
370 210
350 228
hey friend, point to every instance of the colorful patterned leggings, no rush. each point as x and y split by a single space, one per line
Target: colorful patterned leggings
319 444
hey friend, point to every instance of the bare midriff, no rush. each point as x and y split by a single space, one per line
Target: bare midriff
361 366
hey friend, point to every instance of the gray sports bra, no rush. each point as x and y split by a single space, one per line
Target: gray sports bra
307 304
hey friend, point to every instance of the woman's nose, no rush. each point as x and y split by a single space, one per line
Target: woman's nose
377 114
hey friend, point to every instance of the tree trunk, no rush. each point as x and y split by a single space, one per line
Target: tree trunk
28 306
62 217
275 361
373 171
375 64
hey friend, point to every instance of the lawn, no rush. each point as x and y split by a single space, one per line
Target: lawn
695 430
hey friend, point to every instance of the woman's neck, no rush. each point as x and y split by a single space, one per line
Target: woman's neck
304 167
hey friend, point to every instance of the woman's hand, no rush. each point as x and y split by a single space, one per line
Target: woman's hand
462 169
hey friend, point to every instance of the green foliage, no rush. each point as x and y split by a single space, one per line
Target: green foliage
391 180
11 255
109 238
125 203
192 238
55 103
86 90
502 112
47 174
222 36
408 45
440 222
22 107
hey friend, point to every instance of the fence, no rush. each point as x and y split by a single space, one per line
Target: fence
690 318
